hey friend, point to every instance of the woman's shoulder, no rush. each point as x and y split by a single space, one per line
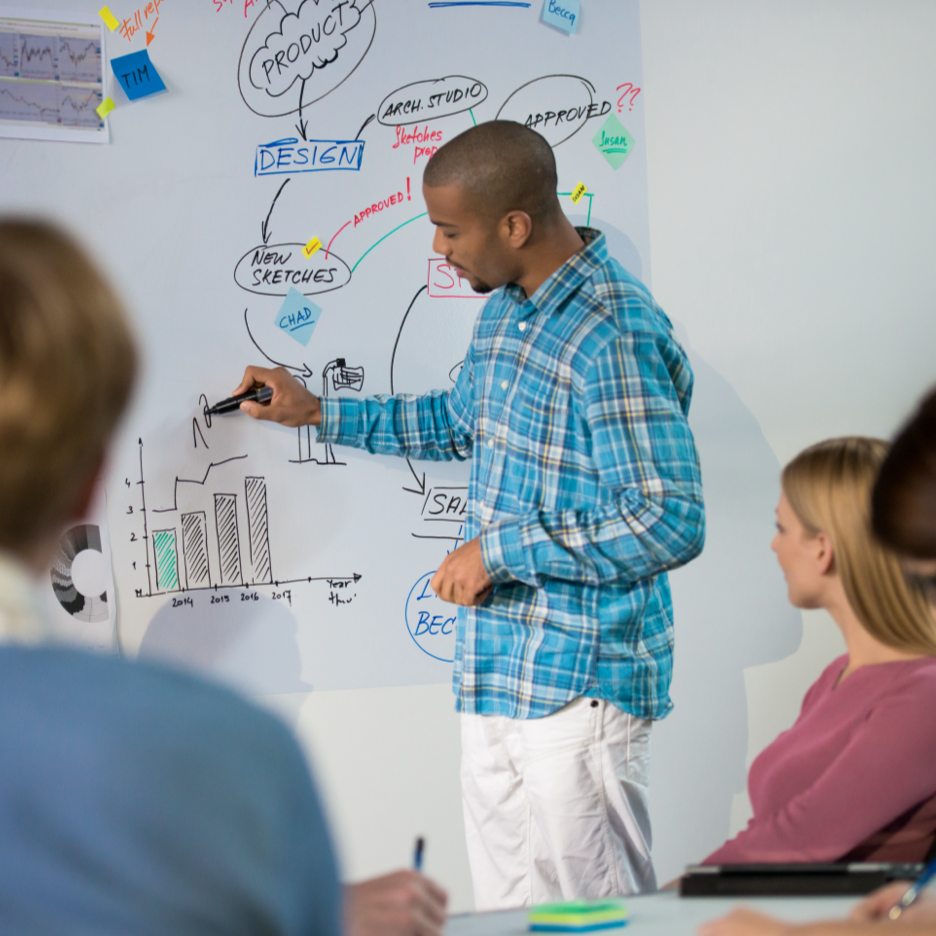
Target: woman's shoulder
828 678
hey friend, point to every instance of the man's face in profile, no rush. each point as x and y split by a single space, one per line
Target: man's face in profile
468 240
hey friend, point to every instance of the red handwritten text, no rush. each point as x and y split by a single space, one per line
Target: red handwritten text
140 18
377 207
425 136
446 283
220 3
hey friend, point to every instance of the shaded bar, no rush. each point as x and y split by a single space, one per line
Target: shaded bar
258 530
228 539
167 560
195 549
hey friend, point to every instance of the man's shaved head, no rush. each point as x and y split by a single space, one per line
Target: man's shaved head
501 166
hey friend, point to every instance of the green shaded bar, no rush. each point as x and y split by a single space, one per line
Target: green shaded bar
167 560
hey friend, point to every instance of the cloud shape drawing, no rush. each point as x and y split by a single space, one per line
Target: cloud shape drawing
307 40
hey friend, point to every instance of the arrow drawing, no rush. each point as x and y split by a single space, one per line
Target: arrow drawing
420 482
301 126
304 372
149 32
265 227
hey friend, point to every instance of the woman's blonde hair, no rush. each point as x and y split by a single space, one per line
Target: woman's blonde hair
67 363
829 488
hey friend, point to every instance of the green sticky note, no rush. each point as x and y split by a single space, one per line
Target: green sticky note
613 141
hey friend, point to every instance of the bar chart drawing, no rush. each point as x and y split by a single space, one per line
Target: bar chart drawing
167 560
195 550
206 525
258 530
228 539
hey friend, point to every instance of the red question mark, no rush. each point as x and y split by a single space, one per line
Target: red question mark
631 90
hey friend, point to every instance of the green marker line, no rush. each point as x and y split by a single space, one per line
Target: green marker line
397 228
475 122
589 196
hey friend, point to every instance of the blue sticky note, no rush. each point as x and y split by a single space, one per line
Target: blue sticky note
298 316
137 75
563 14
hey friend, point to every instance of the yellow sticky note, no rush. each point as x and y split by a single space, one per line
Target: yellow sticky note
311 247
110 21
105 107
577 193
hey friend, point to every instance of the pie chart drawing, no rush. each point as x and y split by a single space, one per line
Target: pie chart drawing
90 608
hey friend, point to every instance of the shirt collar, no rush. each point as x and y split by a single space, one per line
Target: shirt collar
555 290
21 615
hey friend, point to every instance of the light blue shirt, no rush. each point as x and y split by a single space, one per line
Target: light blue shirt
138 800
585 487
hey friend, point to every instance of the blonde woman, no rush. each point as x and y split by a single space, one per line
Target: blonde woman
854 779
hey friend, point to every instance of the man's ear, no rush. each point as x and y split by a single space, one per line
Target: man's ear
825 554
516 228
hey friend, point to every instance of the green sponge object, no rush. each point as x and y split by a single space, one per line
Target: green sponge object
578 916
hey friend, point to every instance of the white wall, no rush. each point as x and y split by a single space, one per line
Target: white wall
792 207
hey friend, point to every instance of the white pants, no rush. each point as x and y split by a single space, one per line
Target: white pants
556 808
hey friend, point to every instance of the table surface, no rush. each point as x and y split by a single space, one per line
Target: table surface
663 914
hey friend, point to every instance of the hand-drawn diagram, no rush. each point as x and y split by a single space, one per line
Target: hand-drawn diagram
244 506
199 543
555 106
430 621
342 378
319 46
430 100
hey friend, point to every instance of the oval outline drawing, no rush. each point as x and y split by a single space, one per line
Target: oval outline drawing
276 107
432 81
589 87
410 632
295 248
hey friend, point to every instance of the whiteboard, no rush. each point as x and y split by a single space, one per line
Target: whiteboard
176 209
249 550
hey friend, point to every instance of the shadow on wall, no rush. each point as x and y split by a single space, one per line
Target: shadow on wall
250 645
731 612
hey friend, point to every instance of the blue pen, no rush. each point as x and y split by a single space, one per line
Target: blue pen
913 891
418 853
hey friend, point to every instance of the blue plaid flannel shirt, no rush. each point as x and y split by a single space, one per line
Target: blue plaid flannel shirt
585 487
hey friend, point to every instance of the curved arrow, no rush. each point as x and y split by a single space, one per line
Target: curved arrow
305 371
420 482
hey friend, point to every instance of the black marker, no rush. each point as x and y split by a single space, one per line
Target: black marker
257 395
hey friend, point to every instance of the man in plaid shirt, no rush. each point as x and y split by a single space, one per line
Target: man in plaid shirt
585 488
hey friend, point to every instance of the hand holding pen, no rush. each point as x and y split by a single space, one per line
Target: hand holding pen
289 402
877 907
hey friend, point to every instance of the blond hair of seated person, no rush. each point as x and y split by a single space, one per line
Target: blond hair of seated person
133 799
826 789
903 517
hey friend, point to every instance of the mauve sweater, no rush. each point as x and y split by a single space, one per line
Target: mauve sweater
854 778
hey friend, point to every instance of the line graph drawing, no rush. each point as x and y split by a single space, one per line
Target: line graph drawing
77 107
27 101
37 57
51 78
204 480
9 61
79 60
66 105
